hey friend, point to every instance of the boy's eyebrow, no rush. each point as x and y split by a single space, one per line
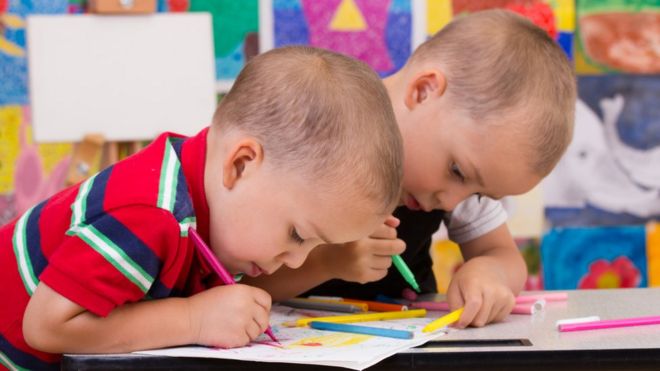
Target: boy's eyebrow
318 233
477 175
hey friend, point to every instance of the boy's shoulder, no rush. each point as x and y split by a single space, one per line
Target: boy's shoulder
151 178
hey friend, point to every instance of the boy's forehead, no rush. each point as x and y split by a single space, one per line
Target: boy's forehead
498 161
345 219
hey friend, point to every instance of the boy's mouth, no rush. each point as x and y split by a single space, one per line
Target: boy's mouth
255 271
412 203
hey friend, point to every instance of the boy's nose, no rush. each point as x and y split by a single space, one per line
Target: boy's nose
294 259
448 202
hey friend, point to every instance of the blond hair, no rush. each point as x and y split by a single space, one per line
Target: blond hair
322 114
498 63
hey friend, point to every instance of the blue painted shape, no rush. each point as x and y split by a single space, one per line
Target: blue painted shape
639 123
229 66
566 253
290 25
398 34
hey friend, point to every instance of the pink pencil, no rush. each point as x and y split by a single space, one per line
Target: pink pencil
555 296
610 323
224 275
525 308
528 308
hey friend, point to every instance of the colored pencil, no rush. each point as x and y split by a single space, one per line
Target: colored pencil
517 309
555 296
379 316
375 306
367 330
611 323
405 271
528 308
331 306
222 272
431 305
378 306
444 321
576 320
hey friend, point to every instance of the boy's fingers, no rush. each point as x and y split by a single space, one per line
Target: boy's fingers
381 262
389 247
384 232
392 221
262 318
262 298
253 329
472 303
500 314
484 314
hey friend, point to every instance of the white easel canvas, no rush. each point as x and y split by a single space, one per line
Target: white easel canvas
126 77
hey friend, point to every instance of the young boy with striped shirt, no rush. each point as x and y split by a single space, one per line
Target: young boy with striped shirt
304 150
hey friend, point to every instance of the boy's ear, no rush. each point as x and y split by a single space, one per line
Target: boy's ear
244 156
424 85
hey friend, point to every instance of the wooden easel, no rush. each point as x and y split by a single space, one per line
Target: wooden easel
94 153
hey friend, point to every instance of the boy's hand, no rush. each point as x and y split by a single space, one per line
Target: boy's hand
229 316
481 287
368 259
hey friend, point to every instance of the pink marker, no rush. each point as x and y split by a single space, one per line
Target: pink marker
556 296
528 308
525 308
224 275
611 323
431 305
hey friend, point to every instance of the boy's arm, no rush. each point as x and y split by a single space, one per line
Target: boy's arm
226 316
486 284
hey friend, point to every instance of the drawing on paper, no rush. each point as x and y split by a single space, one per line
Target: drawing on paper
609 173
598 257
556 17
309 346
618 36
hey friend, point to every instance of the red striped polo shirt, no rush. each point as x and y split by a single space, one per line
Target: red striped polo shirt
118 237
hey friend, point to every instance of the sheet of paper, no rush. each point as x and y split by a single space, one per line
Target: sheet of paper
316 347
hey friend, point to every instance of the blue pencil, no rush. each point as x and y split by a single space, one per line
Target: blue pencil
376 331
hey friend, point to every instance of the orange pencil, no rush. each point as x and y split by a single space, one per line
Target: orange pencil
375 306
378 306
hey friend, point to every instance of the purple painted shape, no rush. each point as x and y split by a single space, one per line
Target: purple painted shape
368 46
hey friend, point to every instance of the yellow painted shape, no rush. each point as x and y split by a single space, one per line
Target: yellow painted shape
348 17
10 121
653 253
53 153
10 48
565 13
583 66
12 21
446 256
331 340
608 280
438 14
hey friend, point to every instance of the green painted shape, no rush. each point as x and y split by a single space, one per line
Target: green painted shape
232 19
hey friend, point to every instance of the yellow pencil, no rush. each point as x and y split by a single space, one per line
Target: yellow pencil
362 317
443 321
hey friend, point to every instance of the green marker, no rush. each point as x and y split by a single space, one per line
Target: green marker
405 272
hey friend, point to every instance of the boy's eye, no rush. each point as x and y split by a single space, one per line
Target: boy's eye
456 171
296 237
